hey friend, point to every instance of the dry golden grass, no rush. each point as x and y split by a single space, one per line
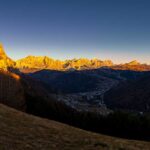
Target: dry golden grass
19 131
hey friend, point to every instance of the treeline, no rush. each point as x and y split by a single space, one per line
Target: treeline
120 124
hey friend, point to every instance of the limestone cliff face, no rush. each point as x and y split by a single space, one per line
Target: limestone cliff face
76 64
41 62
85 63
2 53
44 62
5 61
49 63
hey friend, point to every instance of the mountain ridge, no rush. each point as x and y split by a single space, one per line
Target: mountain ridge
45 62
50 63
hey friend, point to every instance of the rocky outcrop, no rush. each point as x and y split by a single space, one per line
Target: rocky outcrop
133 66
5 61
40 62
133 63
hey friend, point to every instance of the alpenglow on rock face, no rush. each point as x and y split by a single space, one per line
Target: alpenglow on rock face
133 63
40 62
34 63
49 63
5 61
2 53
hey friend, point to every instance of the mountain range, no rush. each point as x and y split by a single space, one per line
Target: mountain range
34 63
44 62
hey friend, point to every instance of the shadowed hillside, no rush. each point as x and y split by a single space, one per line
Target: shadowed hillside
20 131
133 95
84 80
67 82
11 90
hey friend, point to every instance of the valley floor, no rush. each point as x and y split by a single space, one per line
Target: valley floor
20 131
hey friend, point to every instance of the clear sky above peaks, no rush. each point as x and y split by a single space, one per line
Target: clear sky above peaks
107 29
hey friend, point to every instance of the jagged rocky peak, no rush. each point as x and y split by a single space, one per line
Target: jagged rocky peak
134 62
5 61
2 52
108 63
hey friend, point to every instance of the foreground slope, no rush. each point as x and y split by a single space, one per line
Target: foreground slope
26 132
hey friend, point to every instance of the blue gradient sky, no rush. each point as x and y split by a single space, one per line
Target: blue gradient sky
105 29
